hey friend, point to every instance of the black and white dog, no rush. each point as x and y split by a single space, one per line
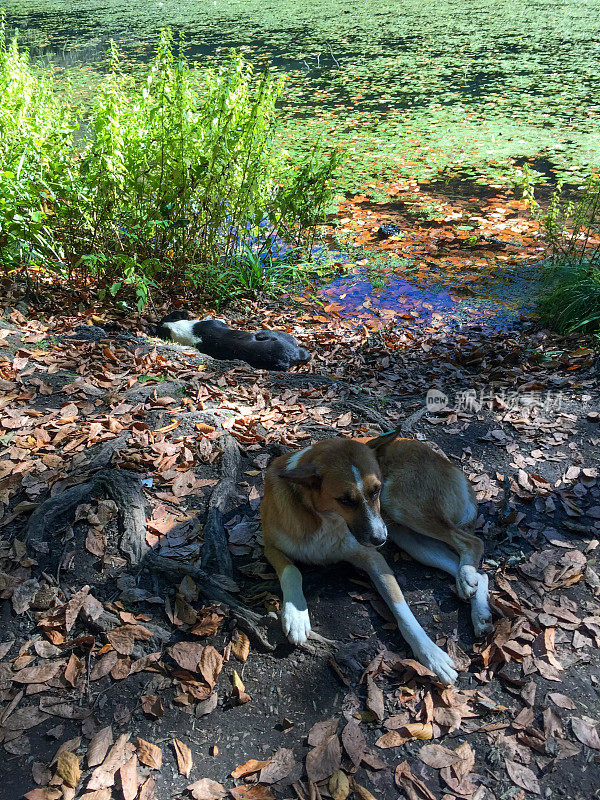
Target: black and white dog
261 349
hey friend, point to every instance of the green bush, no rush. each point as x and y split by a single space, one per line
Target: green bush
570 296
175 175
570 299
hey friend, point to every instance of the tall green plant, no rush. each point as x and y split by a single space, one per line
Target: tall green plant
570 295
176 172
35 154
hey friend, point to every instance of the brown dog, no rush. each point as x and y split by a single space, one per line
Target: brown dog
322 505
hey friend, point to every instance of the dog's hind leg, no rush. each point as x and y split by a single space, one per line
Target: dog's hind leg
295 619
424 649
468 546
435 553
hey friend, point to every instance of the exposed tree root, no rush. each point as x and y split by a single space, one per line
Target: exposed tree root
253 624
120 485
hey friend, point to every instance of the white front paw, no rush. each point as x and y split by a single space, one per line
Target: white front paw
295 623
435 659
467 581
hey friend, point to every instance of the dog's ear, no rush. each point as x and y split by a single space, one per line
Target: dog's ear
385 438
304 474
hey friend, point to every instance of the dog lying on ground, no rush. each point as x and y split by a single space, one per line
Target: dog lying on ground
274 350
324 504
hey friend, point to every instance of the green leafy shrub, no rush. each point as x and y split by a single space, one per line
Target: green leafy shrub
570 299
570 296
175 175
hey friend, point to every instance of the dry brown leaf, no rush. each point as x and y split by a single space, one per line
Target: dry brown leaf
461 660
40 773
185 482
562 701
98 747
240 645
39 674
147 663
186 654
552 723
5 647
522 776
392 739
375 702
467 761
183 613
46 649
23 596
97 794
95 542
207 622
249 767
121 669
586 732
437 756
414 788
362 792
73 670
74 606
414 730
45 793
64 710
321 731
24 718
462 787
207 789
210 665
339 785
128 776
354 742
281 764
450 718
325 759
208 706
104 666
397 721
147 788
68 769
152 705
184 757
149 754
421 670
70 745
256 792
124 637
104 775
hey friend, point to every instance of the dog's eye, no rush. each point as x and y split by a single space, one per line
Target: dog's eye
375 493
347 502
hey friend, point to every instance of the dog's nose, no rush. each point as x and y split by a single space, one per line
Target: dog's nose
379 537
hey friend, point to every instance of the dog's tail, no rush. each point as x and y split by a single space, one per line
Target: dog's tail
386 438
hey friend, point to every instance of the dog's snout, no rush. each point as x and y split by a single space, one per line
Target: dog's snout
379 536
372 531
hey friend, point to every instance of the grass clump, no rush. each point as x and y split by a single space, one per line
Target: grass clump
570 295
172 177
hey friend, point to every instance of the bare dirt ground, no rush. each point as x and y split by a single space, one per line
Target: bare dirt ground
122 677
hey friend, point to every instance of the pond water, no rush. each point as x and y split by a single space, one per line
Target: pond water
468 85
499 307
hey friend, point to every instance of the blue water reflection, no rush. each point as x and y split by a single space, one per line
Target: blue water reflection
402 301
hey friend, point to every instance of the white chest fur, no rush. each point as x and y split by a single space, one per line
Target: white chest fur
330 543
